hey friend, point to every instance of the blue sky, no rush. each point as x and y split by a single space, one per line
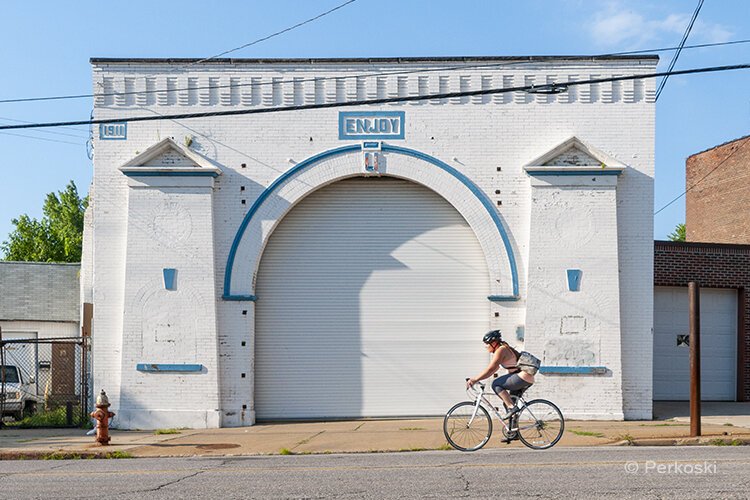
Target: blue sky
46 46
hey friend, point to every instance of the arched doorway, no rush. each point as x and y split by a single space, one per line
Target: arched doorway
372 297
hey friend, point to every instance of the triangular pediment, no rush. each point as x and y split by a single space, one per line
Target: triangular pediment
574 157
575 153
166 156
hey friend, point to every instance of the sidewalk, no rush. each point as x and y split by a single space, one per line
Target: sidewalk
357 436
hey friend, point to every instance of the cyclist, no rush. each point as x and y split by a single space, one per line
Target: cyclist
507 357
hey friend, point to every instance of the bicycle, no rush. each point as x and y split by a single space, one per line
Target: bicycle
538 424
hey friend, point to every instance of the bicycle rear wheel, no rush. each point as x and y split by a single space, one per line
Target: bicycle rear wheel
540 424
463 432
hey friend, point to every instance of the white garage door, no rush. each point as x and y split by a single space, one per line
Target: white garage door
372 301
718 308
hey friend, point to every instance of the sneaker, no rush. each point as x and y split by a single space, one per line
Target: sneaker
511 412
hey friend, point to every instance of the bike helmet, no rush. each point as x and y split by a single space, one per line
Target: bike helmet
492 336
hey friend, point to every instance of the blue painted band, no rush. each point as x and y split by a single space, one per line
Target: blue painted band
160 367
481 196
152 173
259 201
240 298
574 370
542 173
503 298
356 147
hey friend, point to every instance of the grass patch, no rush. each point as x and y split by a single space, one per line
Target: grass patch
58 455
52 418
626 437
118 454
286 451
412 429
587 433
728 424
413 449
445 447
167 431
722 442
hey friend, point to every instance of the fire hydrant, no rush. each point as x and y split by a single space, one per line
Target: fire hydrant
102 416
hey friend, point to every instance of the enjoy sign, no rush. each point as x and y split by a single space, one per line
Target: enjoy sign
371 124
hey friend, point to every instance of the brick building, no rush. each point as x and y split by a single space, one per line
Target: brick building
345 262
723 273
717 209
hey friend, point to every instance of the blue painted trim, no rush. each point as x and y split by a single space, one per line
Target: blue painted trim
160 367
477 192
240 298
357 147
259 201
169 278
574 279
152 173
503 298
543 173
574 370
343 115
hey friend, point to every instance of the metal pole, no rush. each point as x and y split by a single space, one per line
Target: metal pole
695 359
2 377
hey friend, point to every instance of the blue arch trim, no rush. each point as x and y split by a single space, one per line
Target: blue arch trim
386 148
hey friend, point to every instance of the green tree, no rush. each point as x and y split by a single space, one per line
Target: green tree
57 237
679 233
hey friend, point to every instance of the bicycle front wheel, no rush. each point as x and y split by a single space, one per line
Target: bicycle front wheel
540 424
462 431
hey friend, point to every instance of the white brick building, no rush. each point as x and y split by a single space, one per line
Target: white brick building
345 262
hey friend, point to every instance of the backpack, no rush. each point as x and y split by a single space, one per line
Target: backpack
528 363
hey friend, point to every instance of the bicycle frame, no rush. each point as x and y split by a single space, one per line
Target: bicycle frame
479 396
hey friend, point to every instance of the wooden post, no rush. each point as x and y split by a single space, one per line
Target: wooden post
695 359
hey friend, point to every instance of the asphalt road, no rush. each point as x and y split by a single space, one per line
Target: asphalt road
622 472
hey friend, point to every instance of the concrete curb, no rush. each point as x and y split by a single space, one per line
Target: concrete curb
686 441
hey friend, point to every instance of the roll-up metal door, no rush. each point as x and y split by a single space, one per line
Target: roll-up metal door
372 300
718 308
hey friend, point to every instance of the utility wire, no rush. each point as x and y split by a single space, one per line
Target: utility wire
722 162
43 138
48 131
363 75
679 49
545 88
286 30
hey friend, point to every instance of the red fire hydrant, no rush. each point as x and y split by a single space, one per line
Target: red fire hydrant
102 416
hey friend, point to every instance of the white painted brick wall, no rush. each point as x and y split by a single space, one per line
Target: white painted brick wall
492 138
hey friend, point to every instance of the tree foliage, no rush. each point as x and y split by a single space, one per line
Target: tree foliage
57 237
679 233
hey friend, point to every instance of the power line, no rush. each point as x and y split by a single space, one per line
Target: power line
47 131
286 30
677 54
705 176
361 75
42 138
545 88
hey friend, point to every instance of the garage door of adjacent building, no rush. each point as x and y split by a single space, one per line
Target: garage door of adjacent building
718 309
372 301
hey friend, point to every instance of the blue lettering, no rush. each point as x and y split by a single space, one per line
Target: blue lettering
362 126
383 126
349 124
394 125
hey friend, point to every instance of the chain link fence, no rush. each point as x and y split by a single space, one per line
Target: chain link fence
44 382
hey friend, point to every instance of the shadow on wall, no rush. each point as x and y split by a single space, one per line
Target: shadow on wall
341 349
